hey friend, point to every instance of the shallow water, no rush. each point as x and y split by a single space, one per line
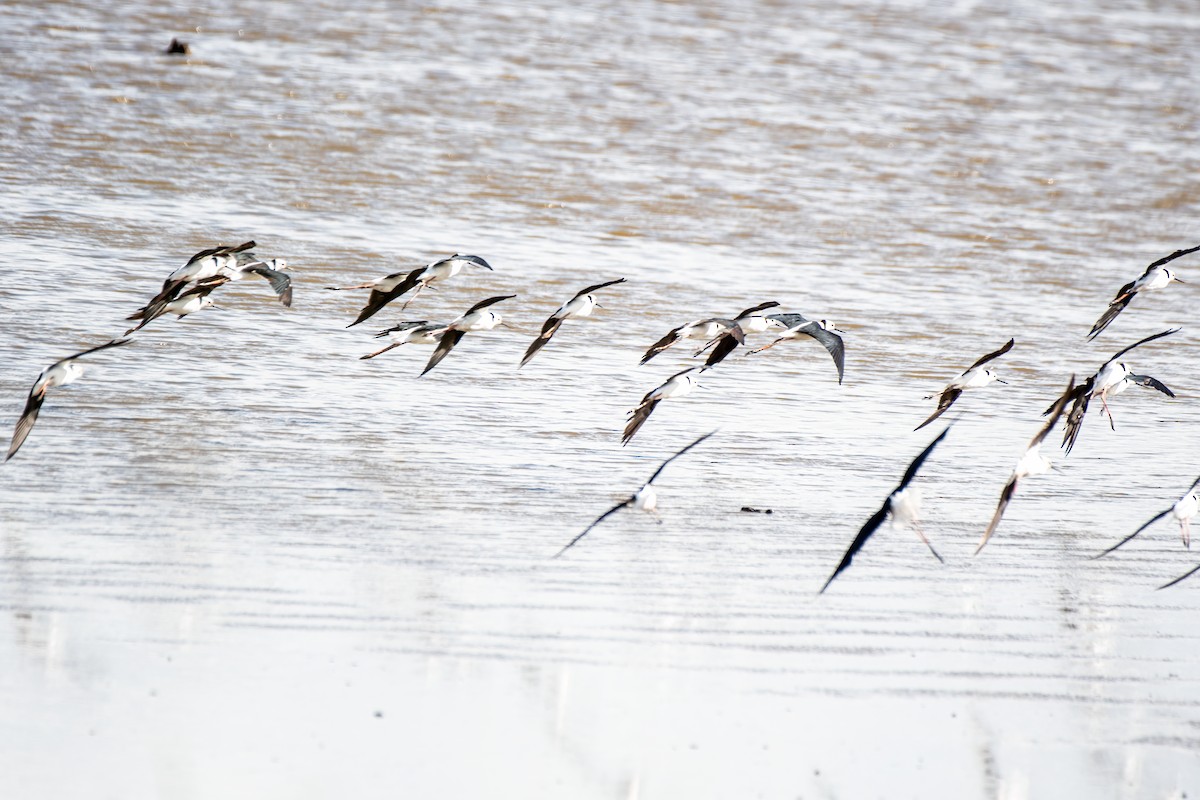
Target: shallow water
237 561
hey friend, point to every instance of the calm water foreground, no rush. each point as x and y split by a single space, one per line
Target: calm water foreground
236 561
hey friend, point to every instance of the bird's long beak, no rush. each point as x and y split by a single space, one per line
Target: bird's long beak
998 380
1180 280
217 307
599 306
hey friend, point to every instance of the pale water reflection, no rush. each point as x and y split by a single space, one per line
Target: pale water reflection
237 561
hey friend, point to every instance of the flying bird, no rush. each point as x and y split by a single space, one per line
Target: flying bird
193 300
475 319
389 287
201 266
677 385
1032 462
705 329
247 264
1156 276
644 499
796 325
1110 380
903 504
581 305
61 372
414 332
752 320
973 377
1183 510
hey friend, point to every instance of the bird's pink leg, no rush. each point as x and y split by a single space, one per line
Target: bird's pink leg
1104 403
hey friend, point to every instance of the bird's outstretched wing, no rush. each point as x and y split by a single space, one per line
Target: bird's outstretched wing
662 344
594 287
864 533
549 328
1140 342
990 356
663 465
1150 383
911 472
879 516
597 521
445 345
832 343
1182 577
748 311
491 301
1006 495
638 417
281 282
96 349
949 395
378 299
724 344
25 424
1131 536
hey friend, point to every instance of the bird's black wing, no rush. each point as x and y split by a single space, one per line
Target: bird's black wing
491 301
662 344
1130 537
1182 577
789 320
588 529
1170 258
476 260
445 345
864 533
281 282
759 307
377 299
831 342
949 395
725 344
403 326
96 349
25 424
990 356
1139 342
1056 409
663 466
594 287
1151 383
549 328
911 472
638 417
1115 307
1006 494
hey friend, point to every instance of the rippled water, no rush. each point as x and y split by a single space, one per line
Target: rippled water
237 561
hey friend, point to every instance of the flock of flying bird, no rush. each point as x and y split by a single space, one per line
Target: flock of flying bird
187 290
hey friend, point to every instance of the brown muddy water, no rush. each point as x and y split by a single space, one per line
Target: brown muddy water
238 562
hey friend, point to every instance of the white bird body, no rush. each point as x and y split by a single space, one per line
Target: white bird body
417 335
1032 463
207 267
646 499
1184 510
703 329
1186 507
975 378
59 374
754 323
476 321
1157 278
189 304
906 507
576 307
675 386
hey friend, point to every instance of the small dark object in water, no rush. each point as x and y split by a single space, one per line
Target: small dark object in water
750 510
178 48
